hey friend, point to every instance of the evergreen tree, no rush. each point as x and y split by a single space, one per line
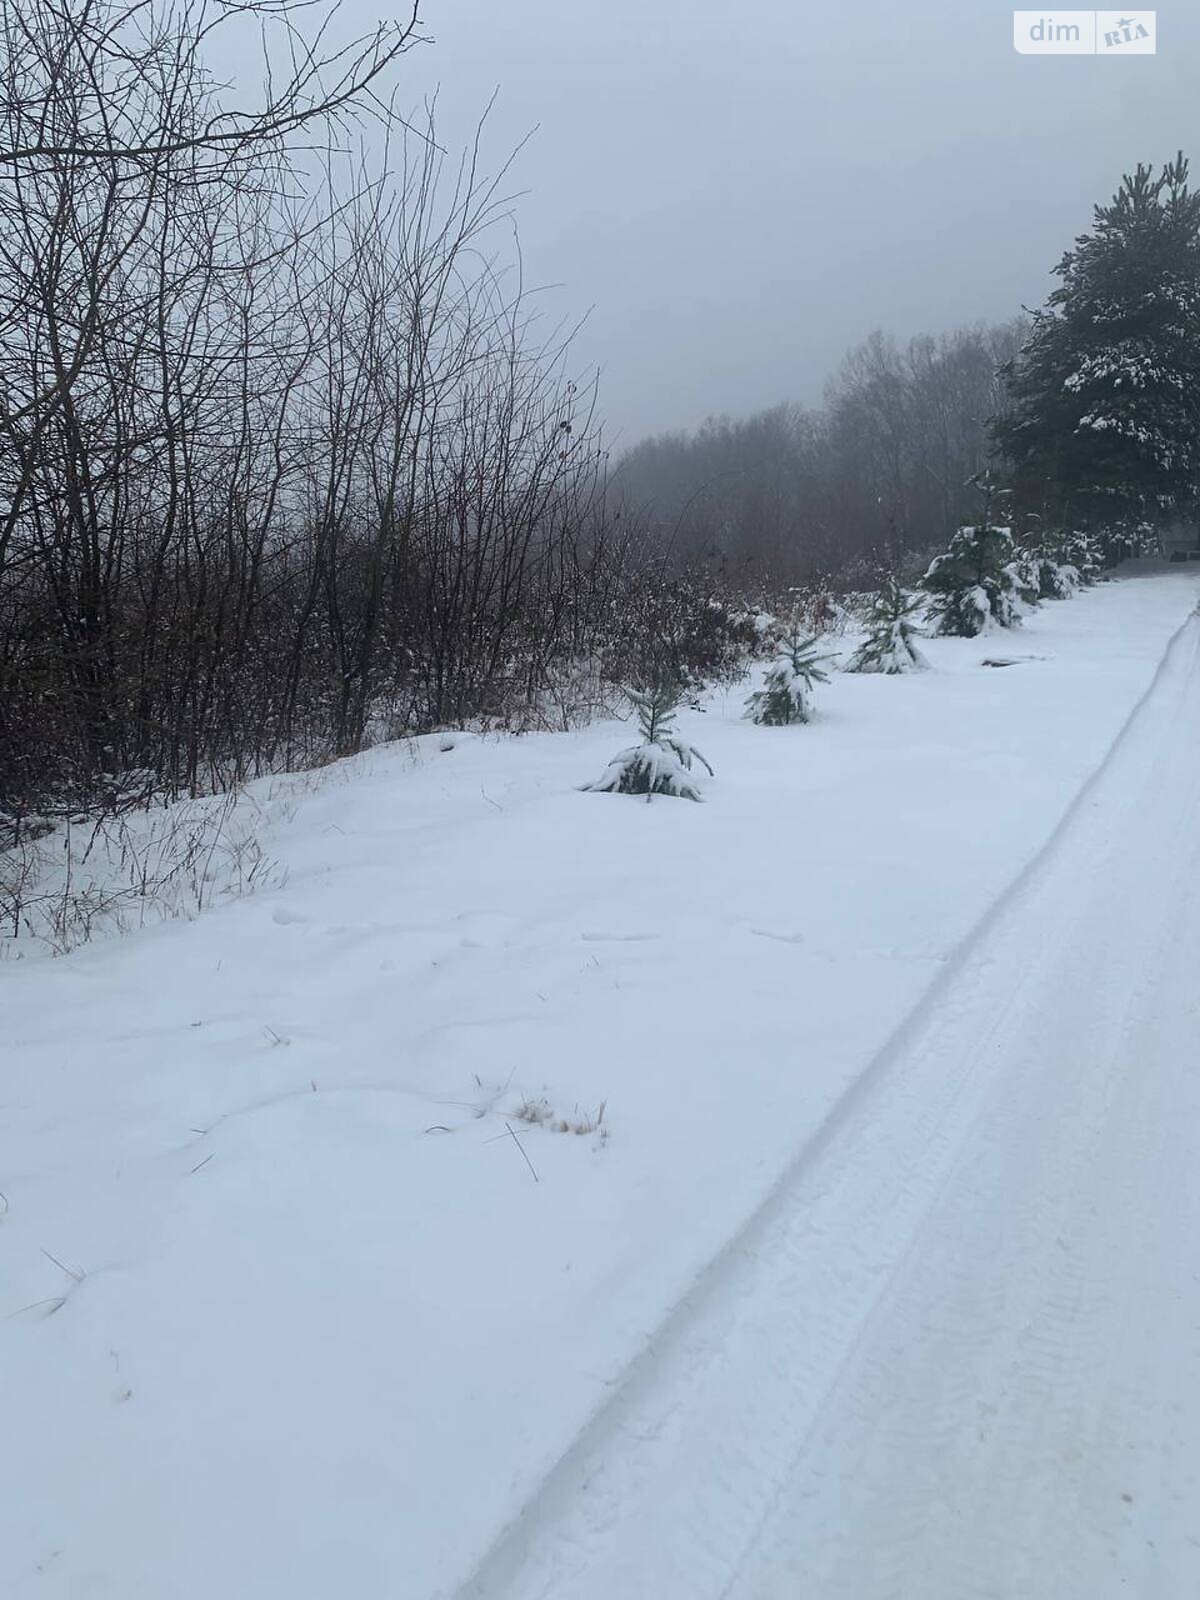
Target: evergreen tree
1057 580
1057 559
786 694
972 586
662 763
1026 573
1104 429
889 646
1085 553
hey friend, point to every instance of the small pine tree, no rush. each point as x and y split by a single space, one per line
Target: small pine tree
1026 575
889 646
1085 552
1078 555
662 763
786 694
1057 578
972 586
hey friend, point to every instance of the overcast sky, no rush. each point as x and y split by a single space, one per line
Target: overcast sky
738 192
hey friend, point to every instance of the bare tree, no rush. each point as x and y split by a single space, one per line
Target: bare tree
285 461
118 50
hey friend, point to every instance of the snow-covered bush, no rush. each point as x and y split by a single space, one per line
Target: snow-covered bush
889 646
763 628
786 694
972 586
663 762
666 625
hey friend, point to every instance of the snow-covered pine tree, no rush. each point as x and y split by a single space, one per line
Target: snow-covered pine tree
1026 573
662 763
1104 427
1085 552
1050 555
1057 580
786 694
889 646
972 587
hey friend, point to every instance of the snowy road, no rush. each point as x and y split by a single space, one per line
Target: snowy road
957 1353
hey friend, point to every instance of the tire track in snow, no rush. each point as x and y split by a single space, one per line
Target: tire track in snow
774 1366
1064 1186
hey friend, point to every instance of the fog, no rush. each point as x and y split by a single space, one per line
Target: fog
734 195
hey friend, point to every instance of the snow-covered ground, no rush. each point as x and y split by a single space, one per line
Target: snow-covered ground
294 1302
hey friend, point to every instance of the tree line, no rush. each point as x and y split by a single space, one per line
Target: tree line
885 467
287 465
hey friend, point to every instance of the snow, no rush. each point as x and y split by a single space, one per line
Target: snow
953 1353
1127 365
293 1300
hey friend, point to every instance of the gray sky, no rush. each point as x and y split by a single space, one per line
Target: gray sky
739 192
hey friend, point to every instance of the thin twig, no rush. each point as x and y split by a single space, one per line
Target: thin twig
75 1273
521 1148
57 1301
